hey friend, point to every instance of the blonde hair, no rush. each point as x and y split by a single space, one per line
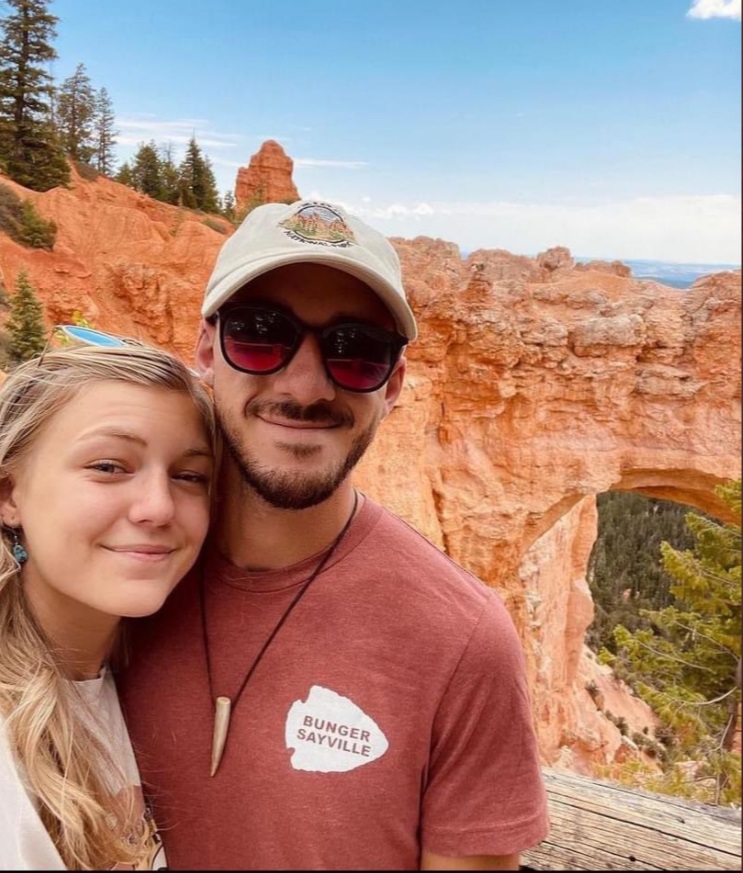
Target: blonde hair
68 769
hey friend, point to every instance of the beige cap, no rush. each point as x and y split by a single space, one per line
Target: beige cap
278 234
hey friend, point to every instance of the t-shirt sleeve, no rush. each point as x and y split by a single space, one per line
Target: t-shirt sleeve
484 793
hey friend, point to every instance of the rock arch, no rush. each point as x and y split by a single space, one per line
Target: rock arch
532 390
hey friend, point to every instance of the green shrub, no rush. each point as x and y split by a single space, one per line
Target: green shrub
215 225
5 355
20 220
85 171
666 735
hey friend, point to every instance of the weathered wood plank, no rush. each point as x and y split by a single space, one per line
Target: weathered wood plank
603 825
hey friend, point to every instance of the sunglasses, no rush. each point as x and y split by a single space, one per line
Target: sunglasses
260 340
88 336
85 335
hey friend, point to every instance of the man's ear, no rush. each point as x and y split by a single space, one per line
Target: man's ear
394 386
205 351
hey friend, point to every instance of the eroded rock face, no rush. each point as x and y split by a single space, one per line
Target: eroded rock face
126 262
527 396
533 387
266 179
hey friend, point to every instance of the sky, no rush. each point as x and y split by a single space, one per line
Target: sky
612 127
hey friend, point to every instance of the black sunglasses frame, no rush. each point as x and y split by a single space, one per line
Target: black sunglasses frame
396 341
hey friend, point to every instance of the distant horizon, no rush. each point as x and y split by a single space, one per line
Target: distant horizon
657 262
582 259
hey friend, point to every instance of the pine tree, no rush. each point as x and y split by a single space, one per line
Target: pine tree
198 186
685 664
30 152
625 573
147 170
124 175
104 135
26 323
170 190
228 205
75 115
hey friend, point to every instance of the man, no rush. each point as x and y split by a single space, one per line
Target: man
326 690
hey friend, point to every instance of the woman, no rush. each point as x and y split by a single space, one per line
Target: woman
106 460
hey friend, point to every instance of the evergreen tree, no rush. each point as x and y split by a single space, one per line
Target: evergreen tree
26 323
198 186
125 175
228 206
75 115
170 190
684 665
625 573
147 170
30 152
104 135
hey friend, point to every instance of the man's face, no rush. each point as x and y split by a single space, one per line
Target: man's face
294 435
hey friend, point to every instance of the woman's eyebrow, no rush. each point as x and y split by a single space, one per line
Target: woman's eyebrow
117 433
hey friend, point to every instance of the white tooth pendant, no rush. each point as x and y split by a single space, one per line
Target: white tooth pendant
221 728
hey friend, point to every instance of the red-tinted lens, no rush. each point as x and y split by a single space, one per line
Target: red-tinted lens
359 357
258 340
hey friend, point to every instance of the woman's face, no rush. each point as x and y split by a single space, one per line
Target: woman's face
113 499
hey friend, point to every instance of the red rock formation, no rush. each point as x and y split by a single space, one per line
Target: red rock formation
527 396
126 262
615 267
530 391
266 179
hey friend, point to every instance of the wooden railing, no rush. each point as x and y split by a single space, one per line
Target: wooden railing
597 825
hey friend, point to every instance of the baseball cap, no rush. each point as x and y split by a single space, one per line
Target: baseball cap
309 231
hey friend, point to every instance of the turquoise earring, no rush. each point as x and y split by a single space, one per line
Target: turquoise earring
19 553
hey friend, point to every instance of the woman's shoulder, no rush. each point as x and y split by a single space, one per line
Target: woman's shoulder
24 841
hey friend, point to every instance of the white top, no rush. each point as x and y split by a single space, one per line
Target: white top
24 841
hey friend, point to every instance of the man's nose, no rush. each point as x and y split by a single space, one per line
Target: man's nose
304 378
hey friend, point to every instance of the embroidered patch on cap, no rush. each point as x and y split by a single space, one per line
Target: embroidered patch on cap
320 225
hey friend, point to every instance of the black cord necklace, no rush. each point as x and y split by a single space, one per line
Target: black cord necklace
223 705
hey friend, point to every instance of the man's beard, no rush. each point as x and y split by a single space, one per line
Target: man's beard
289 490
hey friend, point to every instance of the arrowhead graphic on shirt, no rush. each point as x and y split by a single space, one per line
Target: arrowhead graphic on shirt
330 734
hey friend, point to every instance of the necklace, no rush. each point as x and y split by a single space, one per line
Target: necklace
223 705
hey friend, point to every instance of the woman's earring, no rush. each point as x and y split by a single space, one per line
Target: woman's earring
19 553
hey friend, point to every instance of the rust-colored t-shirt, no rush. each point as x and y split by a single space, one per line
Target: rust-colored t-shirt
390 713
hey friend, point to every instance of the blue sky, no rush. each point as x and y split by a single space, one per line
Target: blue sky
609 126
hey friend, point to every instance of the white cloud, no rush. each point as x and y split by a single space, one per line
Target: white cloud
321 162
223 162
691 229
134 130
715 9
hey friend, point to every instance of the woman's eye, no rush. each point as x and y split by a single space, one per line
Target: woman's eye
192 476
106 467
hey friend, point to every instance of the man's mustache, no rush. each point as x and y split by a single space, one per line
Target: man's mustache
317 413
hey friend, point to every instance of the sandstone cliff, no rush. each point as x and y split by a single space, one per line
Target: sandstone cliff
534 386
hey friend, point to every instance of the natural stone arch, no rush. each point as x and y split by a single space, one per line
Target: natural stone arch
688 487
530 393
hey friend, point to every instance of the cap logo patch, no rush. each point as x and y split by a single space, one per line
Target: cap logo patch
320 225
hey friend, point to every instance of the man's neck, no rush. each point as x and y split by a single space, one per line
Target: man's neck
254 535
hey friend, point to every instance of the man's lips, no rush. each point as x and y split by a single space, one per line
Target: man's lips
298 425
289 415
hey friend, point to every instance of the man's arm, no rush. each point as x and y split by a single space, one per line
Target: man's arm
484 801
429 861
